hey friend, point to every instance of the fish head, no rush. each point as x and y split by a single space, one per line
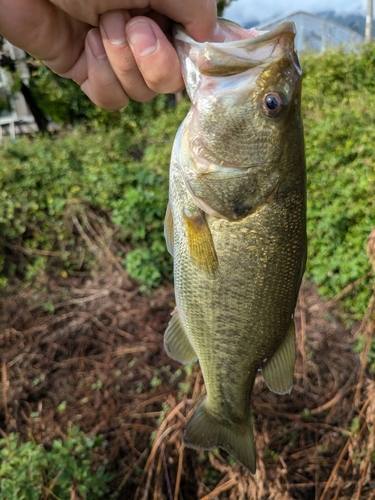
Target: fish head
245 115
246 93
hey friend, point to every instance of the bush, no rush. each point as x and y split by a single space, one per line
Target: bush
29 472
46 183
340 135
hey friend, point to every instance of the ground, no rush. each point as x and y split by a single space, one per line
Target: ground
89 352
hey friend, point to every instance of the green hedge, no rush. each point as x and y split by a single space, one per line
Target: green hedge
122 170
339 100
44 182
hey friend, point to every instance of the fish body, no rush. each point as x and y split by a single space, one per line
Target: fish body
235 226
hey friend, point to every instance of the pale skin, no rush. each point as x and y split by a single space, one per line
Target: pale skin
113 49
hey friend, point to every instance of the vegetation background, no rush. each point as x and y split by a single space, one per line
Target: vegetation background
85 207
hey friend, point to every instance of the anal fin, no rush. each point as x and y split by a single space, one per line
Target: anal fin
278 372
176 342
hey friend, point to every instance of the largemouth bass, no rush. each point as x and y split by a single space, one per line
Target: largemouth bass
235 225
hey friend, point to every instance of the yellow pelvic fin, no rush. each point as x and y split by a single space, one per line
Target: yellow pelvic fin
278 372
206 431
176 342
169 230
201 245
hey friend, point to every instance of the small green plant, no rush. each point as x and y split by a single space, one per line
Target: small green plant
273 455
28 471
210 474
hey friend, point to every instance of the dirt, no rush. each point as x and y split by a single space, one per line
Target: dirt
89 352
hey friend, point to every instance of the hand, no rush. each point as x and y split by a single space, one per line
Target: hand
114 49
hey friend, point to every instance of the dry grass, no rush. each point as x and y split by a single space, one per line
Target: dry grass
100 351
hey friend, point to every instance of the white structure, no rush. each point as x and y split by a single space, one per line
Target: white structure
19 117
317 34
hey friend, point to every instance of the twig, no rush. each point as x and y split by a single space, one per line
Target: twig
337 492
329 404
343 452
179 471
96 247
129 350
367 328
333 473
365 467
302 337
32 251
132 469
149 414
148 483
52 484
166 475
151 458
307 485
347 289
157 492
197 384
93 296
359 489
5 388
161 434
224 487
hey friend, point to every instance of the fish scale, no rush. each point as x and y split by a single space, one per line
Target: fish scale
236 228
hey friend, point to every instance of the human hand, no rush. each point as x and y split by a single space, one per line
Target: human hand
114 49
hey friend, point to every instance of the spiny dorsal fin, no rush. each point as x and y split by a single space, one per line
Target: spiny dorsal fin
201 245
278 372
176 342
169 230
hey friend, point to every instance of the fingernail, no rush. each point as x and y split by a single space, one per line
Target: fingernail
113 24
96 45
141 37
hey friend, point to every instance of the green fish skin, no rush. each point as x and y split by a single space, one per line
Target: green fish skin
236 226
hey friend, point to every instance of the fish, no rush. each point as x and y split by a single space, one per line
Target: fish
236 226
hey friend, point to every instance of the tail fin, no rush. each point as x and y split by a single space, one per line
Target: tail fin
206 430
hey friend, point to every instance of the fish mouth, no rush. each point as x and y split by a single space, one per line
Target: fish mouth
242 50
238 36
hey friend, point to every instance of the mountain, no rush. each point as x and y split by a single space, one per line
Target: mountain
355 22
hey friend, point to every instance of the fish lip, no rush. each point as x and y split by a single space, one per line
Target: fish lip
285 29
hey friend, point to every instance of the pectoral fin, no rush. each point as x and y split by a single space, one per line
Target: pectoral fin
201 245
176 342
169 230
278 372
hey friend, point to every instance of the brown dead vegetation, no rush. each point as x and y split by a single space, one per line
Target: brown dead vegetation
96 345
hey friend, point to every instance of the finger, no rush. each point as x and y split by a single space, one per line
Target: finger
91 11
155 56
112 27
43 31
198 16
101 85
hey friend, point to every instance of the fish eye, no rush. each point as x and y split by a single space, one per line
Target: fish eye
272 104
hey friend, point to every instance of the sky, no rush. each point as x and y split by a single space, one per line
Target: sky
243 11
